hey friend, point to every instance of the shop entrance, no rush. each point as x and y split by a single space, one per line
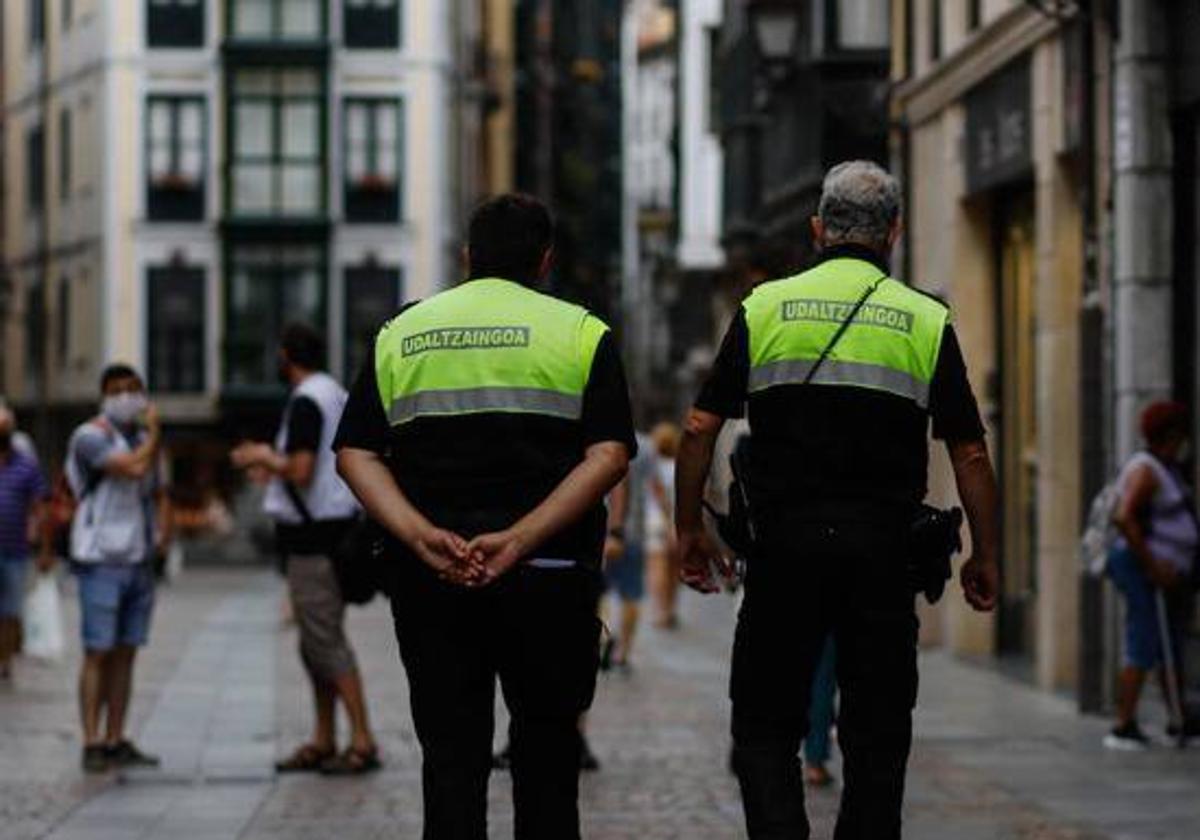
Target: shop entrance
1017 419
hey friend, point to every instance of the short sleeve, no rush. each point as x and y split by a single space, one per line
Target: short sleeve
724 392
607 414
952 403
364 424
304 426
93 448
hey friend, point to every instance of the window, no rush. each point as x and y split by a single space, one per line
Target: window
175 23
372 156
276 20
269 286
278 142
37 23
175 155
371 24
974 14
861 26
35 157
935 30
64 154
372 294
175 332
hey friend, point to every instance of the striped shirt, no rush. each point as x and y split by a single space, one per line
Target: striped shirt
21 485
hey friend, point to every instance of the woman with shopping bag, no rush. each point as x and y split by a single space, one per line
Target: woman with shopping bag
23 495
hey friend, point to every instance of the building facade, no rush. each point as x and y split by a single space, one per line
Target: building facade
186 176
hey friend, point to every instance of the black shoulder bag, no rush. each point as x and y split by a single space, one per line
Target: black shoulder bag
736 528
356 555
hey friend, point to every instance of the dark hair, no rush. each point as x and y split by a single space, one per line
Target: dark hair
303 346
1163 420
115 371
508 237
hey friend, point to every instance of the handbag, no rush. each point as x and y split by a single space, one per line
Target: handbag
356 555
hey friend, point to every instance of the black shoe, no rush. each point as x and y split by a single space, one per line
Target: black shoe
1129 738
503 759
606 653
95 759
587 759
125 754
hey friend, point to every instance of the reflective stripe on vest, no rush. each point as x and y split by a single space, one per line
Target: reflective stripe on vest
486 346
892 346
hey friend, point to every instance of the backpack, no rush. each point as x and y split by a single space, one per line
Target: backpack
1101 532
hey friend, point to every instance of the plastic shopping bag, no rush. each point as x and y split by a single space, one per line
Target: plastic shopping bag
43 627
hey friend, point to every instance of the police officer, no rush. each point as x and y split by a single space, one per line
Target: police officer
838 467
483 434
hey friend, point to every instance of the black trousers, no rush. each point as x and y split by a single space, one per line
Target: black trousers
812 578
537 631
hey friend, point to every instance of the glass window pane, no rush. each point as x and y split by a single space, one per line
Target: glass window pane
356 162
252 188
356 122
300 83
301 190
191 122
386 123
252 128
252 18
191 162
300 18
301 130
160 122
861 26
385 162
301 295
160 161
254 81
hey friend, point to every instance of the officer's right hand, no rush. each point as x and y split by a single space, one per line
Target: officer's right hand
698 554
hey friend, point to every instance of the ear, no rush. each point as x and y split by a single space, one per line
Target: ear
818 230
465 256
894 232
547 264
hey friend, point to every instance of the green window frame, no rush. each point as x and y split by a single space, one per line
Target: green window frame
280 21
277 137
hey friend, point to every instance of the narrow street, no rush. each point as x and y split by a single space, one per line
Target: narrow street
220 696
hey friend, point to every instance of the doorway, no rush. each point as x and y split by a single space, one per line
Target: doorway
1017 419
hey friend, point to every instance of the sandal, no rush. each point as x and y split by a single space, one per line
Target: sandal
306 759
352 762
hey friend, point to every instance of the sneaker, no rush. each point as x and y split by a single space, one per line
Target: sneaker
125 754
95 759
1129 738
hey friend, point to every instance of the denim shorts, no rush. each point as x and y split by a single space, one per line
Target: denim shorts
627 574
1143 637
12 585
115 602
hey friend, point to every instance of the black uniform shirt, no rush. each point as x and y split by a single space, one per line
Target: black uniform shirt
474 473
821 444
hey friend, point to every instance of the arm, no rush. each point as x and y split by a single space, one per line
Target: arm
618 509
697 551
374 485
603 466
137 463
980 576
165 519
294 467
1139 491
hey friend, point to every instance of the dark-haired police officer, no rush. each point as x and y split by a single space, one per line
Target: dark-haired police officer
483 434
837 474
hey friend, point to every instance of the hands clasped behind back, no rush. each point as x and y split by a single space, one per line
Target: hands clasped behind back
471 564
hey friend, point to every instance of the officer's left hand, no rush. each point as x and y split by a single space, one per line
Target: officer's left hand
698 554
496 553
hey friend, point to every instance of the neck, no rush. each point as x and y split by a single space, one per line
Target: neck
1163 453
298 375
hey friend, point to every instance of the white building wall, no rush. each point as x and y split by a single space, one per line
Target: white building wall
701 159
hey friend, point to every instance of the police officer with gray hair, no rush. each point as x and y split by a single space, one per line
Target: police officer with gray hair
843 370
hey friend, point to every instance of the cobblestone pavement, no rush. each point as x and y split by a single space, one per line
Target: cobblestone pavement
220 695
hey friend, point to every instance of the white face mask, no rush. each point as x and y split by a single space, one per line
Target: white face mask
123 409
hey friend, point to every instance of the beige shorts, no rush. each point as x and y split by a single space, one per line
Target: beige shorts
320 613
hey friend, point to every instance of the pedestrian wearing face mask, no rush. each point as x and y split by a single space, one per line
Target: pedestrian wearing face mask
120 520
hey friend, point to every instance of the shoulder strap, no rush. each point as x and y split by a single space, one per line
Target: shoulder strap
837 336
298 501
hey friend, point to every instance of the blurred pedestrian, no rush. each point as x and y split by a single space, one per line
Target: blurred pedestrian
122 518
20 441
23 495
660 524
625 555
313 510
1156 551
818 742
837 479
483 433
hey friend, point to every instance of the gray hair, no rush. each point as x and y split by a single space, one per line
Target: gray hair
860 202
